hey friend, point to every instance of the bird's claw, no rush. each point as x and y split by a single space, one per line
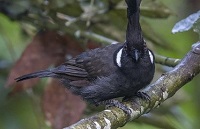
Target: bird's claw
143 95
116 103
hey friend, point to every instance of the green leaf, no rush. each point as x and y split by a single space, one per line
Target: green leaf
187 23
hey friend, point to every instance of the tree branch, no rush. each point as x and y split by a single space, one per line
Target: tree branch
165 87
99 38
171 62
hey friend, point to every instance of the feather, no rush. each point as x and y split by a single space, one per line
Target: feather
39 74
134 36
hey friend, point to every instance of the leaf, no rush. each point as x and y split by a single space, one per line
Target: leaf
187 23
61 107
47 48
15 8
197 27
151 9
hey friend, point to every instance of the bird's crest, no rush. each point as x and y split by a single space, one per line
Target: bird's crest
134 36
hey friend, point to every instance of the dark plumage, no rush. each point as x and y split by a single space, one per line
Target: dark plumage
118 70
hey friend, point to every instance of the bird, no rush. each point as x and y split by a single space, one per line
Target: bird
103 74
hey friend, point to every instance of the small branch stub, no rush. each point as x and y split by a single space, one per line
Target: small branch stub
196 48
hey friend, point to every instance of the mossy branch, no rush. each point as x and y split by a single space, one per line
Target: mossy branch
165 87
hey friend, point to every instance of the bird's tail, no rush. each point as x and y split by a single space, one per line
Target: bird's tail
134 33
39 74
133 7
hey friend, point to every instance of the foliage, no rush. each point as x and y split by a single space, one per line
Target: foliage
186 24
57 24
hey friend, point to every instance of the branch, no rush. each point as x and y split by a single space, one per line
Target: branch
171 62
98 38
165 87
94 37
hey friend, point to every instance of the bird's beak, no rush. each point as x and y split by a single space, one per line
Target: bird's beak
136 55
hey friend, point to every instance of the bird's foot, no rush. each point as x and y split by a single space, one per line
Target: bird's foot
116 103
143 95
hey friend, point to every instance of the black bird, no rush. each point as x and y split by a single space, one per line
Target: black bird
118 70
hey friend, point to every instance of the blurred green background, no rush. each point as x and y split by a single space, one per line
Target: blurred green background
19 111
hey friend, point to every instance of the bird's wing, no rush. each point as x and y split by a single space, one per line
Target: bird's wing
90 64
70 70
99 62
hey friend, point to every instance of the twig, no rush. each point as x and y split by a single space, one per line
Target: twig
166 60
171 62
94 37
99 38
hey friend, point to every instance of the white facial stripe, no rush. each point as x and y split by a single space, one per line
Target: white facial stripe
118 57
151 57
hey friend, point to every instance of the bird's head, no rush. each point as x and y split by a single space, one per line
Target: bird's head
135 50
125 55
134 53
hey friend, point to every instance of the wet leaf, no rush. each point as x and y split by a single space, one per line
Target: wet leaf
47 48
61 107
187 23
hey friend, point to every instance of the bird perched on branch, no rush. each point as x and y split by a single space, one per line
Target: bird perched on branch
117 70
